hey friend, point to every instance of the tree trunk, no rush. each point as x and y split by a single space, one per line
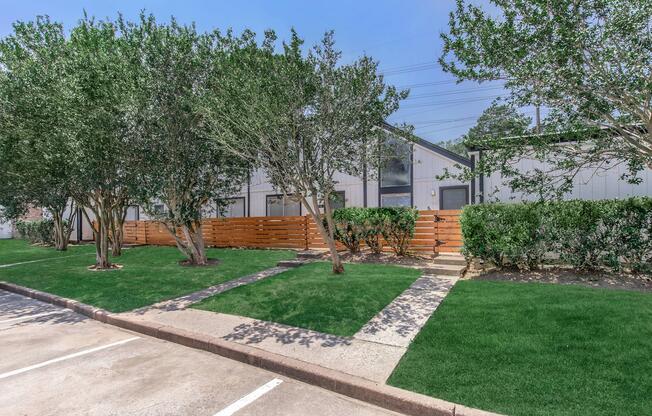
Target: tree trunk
102 255
61 237
192 244
327 235
118 216
100 233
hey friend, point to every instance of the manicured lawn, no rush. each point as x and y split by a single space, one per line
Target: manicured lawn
312 297
150 274
17 251
535 349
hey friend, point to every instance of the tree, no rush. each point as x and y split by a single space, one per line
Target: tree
302 119
590 61
182 167
102 116
34 130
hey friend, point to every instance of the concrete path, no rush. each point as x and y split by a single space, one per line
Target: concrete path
400 321
361 358
183 302
372 353
66 364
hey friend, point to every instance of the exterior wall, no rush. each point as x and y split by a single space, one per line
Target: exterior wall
427 165
587 184
6 230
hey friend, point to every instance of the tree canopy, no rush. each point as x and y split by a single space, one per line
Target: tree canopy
304 118
588 61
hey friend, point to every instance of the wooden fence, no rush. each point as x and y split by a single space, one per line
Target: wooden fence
436 232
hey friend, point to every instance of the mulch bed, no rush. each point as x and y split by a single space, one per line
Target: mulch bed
210 262
562 276
410 260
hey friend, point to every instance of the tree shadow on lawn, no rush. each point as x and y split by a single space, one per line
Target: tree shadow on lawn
259 331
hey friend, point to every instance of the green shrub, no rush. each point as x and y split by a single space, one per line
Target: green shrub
36 231
398 226
350 227
373 229
585 234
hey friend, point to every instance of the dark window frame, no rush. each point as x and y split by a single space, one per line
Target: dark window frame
380 202
403 189
233 198
280 196
444 188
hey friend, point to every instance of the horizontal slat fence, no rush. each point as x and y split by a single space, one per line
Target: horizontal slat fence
436 231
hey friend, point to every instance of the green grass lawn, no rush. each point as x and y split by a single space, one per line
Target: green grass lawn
535 349
312 297
17 251
150 274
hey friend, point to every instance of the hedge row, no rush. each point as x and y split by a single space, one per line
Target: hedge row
356 225
36 231
588 235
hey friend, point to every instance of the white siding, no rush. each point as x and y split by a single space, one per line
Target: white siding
427 166
5 230
588 184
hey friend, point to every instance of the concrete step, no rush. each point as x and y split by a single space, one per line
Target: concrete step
450 259
291 263
445 269
310 254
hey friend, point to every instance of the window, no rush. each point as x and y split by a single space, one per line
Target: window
159 209
396 171
395 200
453 197
278 206
232 208
338 200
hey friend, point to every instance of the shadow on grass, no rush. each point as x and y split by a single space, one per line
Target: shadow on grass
260 331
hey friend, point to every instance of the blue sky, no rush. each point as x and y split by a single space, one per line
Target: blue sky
402 35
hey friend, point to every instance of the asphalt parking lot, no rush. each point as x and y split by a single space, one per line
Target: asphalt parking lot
56 362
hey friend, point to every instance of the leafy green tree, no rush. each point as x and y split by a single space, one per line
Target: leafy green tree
102 114
588 60
34 127
303 118
182 167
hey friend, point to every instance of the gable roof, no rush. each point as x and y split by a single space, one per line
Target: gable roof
428 145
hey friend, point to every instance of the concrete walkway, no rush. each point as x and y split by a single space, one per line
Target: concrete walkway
372 353
187 300
400 321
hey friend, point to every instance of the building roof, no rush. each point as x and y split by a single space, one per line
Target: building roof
429 145
554 138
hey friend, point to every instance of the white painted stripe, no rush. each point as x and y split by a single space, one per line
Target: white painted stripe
249 398
38 315
39 260
65 357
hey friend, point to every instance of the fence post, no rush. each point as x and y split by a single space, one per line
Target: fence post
305 231
435 224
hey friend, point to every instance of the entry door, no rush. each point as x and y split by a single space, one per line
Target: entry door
453 197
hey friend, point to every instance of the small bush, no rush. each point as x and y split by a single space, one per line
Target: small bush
37 231
350 227
373 229
398 226
588 235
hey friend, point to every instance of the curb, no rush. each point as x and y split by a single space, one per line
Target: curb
388 397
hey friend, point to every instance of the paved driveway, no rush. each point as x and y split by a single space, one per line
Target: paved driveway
56 362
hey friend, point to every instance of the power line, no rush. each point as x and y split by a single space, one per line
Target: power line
452 92
453 101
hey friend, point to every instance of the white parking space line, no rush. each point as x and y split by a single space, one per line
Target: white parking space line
65 357
249 398
27 317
